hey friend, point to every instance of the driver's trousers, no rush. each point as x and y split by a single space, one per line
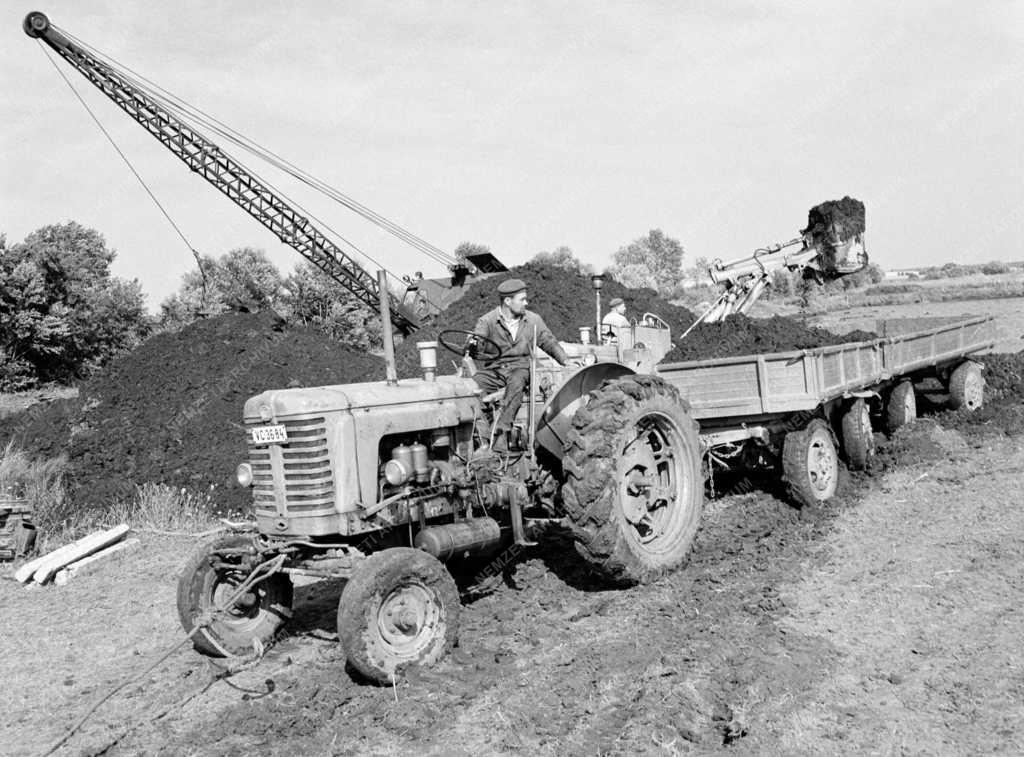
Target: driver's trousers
514 381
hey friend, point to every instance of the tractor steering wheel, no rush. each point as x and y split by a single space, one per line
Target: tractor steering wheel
493 351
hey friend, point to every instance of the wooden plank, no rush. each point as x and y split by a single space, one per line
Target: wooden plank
95 561
43 567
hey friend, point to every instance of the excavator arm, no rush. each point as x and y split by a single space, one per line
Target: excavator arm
227 175
744 280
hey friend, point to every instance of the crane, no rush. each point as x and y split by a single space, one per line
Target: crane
225 173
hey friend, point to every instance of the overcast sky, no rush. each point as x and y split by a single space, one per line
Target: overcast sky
526 126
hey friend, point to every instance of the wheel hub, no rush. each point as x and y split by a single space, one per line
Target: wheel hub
649 485
406 617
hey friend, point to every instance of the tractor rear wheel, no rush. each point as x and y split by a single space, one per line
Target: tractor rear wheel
633 488
901 408
858 438
210 580
810 466
967 387
400 608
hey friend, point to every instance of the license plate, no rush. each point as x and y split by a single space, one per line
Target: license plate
269 435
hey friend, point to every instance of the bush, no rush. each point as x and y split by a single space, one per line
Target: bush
994 268
61 311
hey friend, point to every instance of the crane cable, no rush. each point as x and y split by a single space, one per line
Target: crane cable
195 253
186 111
166 214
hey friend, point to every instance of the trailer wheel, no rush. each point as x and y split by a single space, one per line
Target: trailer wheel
967 387
210 580
858 438
901 408
399 609
810 465
633 488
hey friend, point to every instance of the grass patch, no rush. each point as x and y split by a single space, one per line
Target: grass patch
153 507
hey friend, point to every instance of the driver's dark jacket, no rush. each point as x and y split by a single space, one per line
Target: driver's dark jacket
516 352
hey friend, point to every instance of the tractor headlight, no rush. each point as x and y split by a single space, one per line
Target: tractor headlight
244 474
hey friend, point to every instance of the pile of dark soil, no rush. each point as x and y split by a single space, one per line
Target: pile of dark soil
740 335
564 298
1004 374
171 411
1003 411
846 216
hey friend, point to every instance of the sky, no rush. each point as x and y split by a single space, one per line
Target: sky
526 126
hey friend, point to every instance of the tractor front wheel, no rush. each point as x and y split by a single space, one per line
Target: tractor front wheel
633 488
399 609
211 579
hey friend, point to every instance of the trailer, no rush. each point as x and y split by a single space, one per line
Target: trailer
801 410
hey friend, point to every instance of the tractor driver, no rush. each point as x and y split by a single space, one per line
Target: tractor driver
511 326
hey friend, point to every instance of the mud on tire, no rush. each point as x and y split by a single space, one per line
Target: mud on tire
858 438
633 489
400 608
810 466
258 614
967 387
901 409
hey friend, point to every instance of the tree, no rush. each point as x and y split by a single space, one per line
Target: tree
563 257
61 311
653 261
242 279
312 298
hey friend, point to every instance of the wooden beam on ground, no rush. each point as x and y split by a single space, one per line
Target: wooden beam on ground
95 561
43 567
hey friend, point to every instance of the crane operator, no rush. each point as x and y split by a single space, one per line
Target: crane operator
512 327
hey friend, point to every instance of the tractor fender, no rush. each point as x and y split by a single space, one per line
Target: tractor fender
555 418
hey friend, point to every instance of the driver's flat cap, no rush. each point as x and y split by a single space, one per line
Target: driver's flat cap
511 286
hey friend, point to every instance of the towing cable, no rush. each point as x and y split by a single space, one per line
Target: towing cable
261 573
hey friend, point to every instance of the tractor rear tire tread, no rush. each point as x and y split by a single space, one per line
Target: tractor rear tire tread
590 490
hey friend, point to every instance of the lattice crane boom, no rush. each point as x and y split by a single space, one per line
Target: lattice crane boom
222 171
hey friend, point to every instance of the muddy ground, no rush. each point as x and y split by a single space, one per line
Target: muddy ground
887 621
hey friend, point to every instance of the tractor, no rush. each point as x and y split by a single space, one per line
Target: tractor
388 483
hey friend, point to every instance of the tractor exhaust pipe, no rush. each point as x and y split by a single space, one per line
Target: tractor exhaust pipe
385 324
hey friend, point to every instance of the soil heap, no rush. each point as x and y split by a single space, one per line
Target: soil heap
846 216
563 297
740 335
171 411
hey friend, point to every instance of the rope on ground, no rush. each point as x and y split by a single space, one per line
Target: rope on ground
228 526
260 573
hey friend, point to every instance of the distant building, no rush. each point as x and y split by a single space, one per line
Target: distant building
903 273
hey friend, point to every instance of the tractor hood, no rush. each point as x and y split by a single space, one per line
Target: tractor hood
370 394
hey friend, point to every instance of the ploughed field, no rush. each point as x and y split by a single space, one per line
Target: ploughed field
885 621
